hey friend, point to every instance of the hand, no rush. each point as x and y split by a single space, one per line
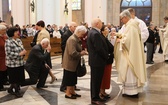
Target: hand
22 53
113 34
83 52
48 48
46 65
118 40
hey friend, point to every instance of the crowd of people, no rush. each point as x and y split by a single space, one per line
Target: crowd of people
102 43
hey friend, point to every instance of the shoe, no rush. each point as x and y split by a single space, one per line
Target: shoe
132 96
6 83
10 91
2 89
70 97
76 95
149 62
53 79
63 88
77 89
97 103
18 94
106 96
102 100
42 87
18 87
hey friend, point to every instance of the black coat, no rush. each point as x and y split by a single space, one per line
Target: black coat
64 39
110 52
97 48
36 59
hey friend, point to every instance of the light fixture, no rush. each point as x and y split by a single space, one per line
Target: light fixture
66 9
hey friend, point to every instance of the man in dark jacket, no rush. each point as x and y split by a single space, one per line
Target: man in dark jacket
36 65
98 55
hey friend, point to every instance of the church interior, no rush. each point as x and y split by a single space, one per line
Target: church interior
62 12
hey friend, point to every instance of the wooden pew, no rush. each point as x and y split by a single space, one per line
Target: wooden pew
55 45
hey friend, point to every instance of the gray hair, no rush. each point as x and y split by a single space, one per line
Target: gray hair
45 40
2 27
125 13
79 29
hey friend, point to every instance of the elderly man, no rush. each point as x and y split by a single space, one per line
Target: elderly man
164 39
40 25
129 57
98 54
36 64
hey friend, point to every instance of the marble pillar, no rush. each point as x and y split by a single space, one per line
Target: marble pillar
18 12
1 18
95 11
52 11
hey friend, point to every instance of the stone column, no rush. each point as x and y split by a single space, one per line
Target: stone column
18 12
46 11
88 11
1 17
163 10
52 11
97 10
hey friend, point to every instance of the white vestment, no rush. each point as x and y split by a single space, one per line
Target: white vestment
143 29
164 41
130 60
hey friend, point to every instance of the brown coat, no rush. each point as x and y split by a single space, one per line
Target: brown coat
72 55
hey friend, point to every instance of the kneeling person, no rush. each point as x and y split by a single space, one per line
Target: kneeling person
36 64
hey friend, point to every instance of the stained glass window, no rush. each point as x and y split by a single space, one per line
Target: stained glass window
132 3
143 8
76 4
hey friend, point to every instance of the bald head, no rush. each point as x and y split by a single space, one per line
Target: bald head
72 26
96 23
44 43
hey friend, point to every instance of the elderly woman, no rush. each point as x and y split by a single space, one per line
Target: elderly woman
107 70
14 60
3 68
72 56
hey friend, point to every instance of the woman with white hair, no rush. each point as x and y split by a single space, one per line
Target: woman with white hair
72 56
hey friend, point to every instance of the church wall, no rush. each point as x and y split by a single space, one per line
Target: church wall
159 11
78 16
52 11
163 11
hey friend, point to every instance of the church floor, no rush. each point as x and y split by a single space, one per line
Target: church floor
155 90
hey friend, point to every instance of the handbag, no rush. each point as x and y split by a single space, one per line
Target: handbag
81 68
